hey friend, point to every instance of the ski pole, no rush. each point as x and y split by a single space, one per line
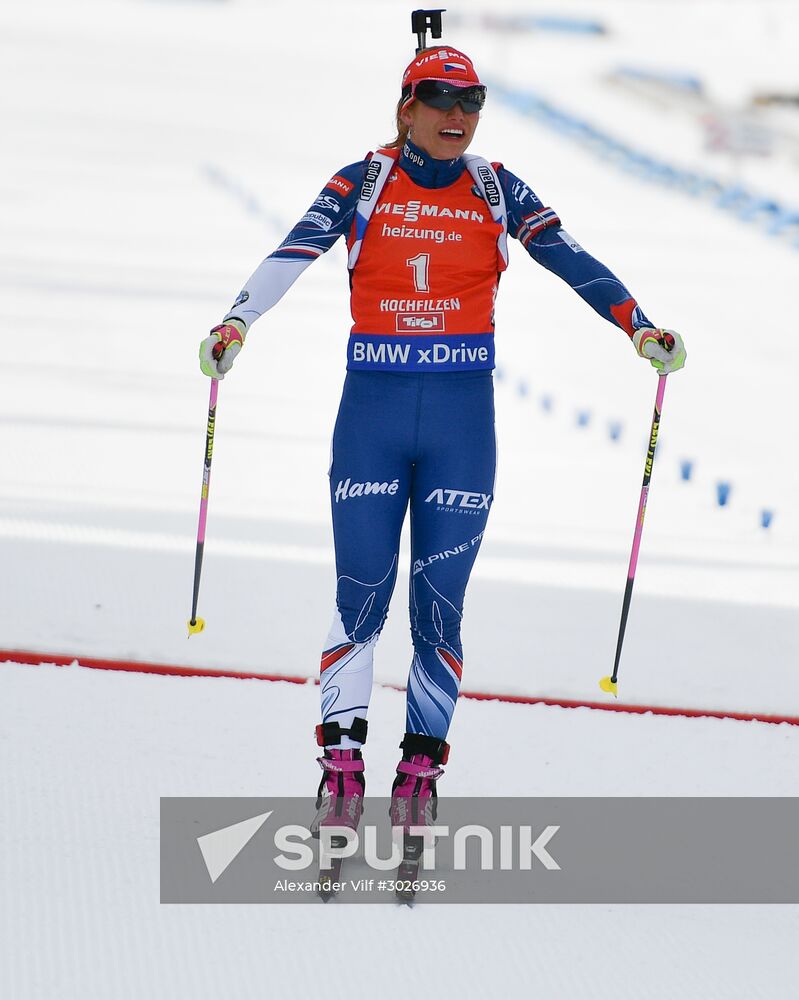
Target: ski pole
198 624
609 684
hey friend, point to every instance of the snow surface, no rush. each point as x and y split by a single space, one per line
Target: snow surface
154 153
87 753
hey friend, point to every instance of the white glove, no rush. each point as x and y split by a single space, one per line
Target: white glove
664 348
219 349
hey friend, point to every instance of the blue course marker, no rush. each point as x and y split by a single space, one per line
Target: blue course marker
723 493
686 469
766 517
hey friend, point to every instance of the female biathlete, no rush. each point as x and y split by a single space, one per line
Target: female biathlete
427 230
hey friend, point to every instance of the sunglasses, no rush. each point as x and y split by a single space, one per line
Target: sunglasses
444 96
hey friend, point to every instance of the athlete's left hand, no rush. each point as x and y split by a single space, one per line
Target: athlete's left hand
219 349
664 348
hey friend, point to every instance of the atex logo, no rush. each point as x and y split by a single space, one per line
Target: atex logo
461 500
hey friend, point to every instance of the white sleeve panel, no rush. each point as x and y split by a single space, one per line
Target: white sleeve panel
265 287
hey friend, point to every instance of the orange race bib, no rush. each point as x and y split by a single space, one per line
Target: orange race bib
428 271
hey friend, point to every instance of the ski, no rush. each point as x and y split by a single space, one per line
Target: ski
330 872
408 871
328 880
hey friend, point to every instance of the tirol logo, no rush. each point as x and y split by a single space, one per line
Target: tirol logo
420 322
460 501
487 177
243 296
347 489
369 181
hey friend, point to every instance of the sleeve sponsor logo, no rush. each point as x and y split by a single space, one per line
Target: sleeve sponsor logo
340 184
329 202
243 296
521 192
317 219
572 244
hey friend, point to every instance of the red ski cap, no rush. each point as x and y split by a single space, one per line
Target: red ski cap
439 63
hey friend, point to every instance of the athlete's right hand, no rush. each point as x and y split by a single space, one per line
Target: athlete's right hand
219 349
664 348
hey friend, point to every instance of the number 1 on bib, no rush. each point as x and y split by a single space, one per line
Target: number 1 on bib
420 264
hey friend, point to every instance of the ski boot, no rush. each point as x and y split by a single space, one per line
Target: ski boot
414 802
339 801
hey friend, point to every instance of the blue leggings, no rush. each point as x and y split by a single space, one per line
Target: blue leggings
428 441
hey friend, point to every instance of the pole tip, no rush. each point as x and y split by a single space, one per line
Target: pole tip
196 626
609 686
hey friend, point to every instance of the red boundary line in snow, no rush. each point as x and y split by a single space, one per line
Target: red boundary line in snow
36 659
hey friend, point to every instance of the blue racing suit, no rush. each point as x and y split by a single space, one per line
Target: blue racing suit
418 439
